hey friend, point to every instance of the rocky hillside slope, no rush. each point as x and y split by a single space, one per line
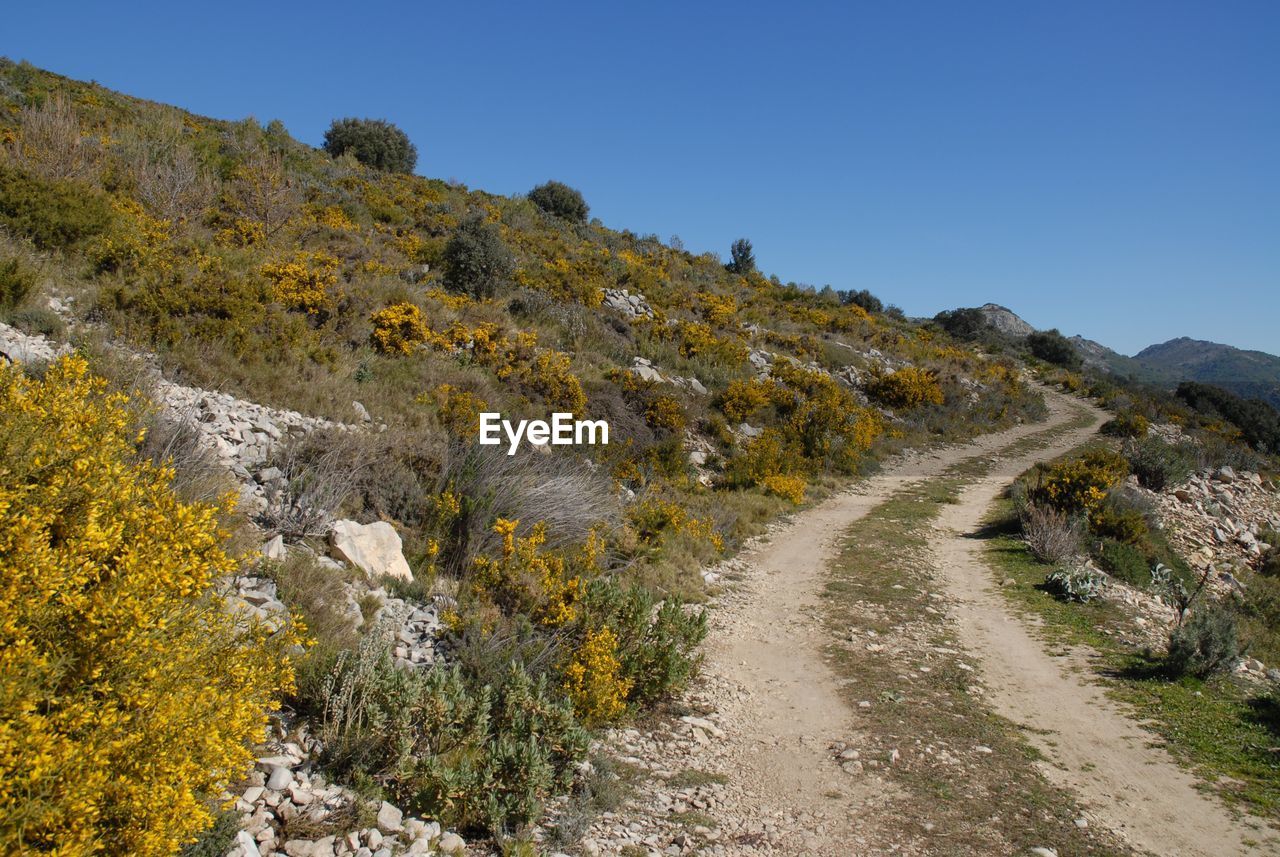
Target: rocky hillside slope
319 337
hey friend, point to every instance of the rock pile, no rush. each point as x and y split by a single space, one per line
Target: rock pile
627 304
284 798
1216 517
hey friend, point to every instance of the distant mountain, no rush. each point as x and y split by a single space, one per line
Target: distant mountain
1251 374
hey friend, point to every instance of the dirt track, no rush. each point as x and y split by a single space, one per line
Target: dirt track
782 707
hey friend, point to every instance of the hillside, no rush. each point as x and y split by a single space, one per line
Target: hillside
318 337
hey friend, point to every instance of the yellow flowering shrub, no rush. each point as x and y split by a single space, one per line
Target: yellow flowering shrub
128 694
821 419
306 283
665 413
399 329
241 232
788 487
459 410
741 398
1080 484
331 217
718 310
550 375
654 517
593 679
528 580
906 388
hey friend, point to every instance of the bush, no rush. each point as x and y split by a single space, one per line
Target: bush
128 694
1052 347
52 213
742 258
1117 519
1127 424
657 650
1204 645
1125 562
862 298
1258 422
1159 465
967 324
593 678
741 399
16 282
374 142
560 200
473 758
907 388
1076 584
1079 484
1052 536
399 329
476 261
786 486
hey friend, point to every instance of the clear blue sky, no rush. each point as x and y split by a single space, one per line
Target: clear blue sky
1109 167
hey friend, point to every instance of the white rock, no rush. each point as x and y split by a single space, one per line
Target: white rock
247 845
389 818
376 549
451 843
280 778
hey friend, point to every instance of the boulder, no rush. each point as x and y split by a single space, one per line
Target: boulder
375 549
390 819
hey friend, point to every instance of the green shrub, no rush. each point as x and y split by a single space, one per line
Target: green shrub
1116 519
559 199
862 298
1270 563
476 260
1159 464
1206 644
659 652
1052 347
1127 424
16 283
1124 562
38 321
967 324
1076 584
474 758
53 214
374 142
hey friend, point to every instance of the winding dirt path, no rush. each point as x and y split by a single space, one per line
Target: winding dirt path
776 705
784 708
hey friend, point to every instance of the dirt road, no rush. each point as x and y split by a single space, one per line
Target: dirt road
774 706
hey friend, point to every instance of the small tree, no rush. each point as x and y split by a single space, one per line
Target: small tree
742 257
476 260
374 142
1052 347
560 200
862 298
966 323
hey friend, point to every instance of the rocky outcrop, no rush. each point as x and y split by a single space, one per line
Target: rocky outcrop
626 304
1005 320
